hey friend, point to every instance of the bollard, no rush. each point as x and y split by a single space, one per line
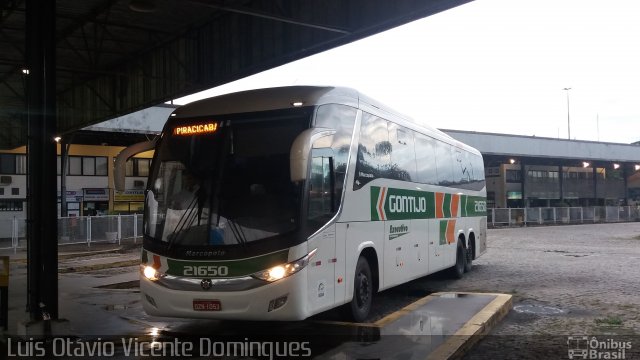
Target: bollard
4 292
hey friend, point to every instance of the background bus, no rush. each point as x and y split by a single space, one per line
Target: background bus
277 204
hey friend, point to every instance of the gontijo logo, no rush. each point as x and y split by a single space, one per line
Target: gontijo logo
400 204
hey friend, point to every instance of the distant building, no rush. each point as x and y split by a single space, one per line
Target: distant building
521 171
89 175
526 171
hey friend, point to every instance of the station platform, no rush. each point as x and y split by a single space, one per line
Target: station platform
104 306
439 326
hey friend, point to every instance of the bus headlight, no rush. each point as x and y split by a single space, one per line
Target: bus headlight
282 271
150 272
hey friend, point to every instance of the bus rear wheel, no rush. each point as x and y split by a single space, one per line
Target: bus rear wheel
362 291
469 260
457 270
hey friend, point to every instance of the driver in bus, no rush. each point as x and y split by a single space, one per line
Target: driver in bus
187 196
181 204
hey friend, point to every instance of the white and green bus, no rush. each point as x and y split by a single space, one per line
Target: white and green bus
281 203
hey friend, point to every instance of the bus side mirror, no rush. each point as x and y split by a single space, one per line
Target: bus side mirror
301 150
119 167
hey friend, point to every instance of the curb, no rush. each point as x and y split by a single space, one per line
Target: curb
477 327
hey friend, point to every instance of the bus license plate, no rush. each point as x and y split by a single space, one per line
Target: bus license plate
207 305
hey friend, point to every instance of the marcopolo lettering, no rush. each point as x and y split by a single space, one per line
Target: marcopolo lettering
404 204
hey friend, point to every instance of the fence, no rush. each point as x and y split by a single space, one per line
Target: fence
76 230
115 228
561 215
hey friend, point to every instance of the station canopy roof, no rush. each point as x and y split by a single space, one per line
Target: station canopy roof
114 57
547 150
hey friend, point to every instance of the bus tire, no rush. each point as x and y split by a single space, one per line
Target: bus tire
469 254
362 291
457 270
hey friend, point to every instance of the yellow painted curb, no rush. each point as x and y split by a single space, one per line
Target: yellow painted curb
387 319
405 310
478 326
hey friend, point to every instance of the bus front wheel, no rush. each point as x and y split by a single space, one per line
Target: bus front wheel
362 291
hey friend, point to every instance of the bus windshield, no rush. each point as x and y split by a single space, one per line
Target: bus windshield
225 181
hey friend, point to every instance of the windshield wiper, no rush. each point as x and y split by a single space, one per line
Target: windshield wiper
237 232
186 220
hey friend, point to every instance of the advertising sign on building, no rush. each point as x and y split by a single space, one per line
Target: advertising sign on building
96 195
129 195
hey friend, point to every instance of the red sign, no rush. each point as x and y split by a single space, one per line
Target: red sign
207 305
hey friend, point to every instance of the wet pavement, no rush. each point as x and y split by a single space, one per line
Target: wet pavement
102 303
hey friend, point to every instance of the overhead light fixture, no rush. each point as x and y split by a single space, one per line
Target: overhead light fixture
585 164
25 71
512 161
616 166
57 139
637 167
297 103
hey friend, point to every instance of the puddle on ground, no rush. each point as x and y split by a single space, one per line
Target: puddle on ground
538 310
134 284
455 295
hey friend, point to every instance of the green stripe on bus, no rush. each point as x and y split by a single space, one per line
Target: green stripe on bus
446 205
401 204
375 193
475 206
443 231
236 268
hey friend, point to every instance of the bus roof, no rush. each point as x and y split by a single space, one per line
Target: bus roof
285 97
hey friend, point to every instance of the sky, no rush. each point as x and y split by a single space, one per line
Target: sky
494 66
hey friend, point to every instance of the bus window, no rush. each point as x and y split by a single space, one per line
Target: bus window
374 151
444 162
426 159
460 167
403 157
340 118
320 207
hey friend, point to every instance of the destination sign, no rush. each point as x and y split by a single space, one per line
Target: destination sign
195 129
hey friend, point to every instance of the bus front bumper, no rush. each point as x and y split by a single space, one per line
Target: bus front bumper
281 300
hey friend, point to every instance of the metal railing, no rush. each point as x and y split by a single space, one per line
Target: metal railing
561 215
115 228
76 230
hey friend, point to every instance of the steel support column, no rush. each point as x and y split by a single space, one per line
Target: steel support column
523 183
595 186
626 185
561 182
42 244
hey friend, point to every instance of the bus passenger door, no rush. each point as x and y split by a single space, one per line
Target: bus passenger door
320 210
436 250
398 251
